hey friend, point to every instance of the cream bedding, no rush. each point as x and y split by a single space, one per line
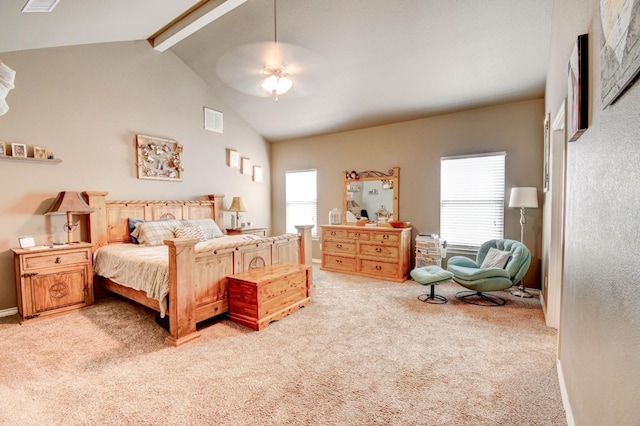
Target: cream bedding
146 268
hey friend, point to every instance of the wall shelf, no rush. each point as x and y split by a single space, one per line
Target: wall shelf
38 160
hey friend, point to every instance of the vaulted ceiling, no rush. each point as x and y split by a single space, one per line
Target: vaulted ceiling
382 61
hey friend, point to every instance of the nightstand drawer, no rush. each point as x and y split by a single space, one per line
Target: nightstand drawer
42 260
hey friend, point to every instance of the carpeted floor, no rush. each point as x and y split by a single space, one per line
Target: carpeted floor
365 352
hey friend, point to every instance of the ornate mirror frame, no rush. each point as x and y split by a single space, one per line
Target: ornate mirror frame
388 181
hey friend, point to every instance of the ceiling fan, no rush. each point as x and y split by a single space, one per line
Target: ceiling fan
271 69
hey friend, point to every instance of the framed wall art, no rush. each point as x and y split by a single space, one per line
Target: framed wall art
19 150
158 158
547 152
620 53
233 158
3 149
578 89
257 174
246 167
40 152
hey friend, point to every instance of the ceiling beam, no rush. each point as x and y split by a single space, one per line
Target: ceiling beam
192 22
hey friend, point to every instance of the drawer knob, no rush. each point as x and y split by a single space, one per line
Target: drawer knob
338 245
338 261
385 237
333 233
378 250
378 268
357 235
58 260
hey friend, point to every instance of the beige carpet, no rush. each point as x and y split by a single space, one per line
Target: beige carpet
365 352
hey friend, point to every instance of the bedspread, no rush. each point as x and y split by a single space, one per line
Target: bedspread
147 268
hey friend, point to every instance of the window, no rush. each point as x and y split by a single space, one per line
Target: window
301 200
471 199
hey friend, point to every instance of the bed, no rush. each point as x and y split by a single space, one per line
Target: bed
195 271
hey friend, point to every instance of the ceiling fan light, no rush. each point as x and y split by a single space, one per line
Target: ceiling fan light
278 85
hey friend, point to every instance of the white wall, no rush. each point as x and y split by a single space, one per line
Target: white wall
599 333
86 104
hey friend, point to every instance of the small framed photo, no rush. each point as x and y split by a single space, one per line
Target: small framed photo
3 149
233 158
257 174
19 150
26 242
246 167
40 152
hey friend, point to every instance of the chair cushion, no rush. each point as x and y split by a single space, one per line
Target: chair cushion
495 258
430 275
471 274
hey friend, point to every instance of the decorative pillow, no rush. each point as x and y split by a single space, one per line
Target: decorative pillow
190 232
132 227
209 227
155 232
495 259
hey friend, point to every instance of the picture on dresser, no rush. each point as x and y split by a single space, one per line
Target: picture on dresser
26 242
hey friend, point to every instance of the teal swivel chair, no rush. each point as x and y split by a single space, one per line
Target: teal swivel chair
480 280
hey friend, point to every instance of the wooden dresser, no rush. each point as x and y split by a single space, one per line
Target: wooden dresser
54 280
380 252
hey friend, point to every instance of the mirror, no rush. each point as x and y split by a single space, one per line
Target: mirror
364 194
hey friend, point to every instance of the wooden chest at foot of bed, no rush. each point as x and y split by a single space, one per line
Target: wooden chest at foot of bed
262 295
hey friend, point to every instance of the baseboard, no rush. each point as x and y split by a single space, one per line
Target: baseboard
8 312
565 396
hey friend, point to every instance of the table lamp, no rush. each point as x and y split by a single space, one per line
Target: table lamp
69 203
237 205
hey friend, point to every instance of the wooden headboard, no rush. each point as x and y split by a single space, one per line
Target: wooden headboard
109 224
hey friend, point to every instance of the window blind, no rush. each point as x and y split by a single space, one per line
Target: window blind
472 199
301 200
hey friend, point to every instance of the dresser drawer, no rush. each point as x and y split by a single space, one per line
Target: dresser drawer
387 252
359 235
382 269
338 263
383 237
334 234
339 247
47 260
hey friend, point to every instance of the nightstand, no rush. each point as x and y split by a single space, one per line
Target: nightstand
51 281
261 232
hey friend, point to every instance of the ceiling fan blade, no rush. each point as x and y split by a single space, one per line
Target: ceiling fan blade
244 67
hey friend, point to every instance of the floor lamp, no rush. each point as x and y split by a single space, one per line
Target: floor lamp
523 198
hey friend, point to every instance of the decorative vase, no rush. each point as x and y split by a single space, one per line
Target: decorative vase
335 217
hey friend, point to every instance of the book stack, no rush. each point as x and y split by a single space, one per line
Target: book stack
428 250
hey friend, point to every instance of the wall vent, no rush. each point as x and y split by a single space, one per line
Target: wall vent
39 5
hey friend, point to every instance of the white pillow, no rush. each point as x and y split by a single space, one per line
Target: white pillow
495 259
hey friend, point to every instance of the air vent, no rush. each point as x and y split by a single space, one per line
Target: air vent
39 5
212 120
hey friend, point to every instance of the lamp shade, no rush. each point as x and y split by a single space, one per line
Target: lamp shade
524 197
352 203
69 202
237 205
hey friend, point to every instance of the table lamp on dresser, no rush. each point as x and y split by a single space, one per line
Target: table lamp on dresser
69 203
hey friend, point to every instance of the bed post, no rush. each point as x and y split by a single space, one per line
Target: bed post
305 243
97 221
218 208
182 298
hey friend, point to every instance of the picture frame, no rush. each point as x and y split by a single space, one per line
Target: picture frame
578 89
620 50
26 242
547 153
40 152
3 149
233 158
246 167
159 158
19 150
257 174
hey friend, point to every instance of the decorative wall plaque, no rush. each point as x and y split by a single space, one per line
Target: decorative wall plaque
159 158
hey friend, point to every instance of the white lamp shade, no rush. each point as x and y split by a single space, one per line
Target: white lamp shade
526 197
237 205
277 85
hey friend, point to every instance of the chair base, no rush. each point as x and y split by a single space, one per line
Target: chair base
481 300
431 297
521 292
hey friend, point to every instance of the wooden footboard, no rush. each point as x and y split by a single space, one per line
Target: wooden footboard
197 281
